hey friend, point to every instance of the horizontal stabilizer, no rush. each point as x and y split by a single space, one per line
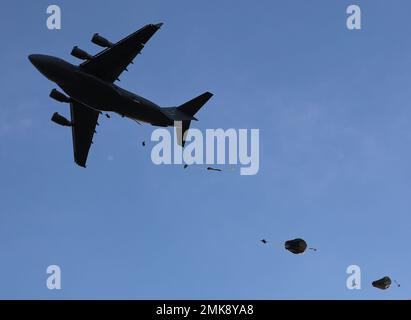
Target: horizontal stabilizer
184 114
191 107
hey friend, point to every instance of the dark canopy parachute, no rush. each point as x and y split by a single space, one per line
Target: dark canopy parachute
383 283
296 246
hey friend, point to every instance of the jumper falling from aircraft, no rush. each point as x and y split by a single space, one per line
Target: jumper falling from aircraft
91 90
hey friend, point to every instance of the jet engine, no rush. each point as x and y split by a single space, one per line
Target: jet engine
59 119
60 97
101 41
80 54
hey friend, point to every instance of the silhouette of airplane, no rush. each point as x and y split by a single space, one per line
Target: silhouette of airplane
91 90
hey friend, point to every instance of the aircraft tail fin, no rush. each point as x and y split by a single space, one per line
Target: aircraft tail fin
184 114
181 130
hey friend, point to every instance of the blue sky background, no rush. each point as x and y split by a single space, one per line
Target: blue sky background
333 109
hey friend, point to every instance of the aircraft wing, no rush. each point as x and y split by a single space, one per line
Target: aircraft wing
84 122
111 62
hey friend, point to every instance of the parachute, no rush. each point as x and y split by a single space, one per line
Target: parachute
383 283
297 246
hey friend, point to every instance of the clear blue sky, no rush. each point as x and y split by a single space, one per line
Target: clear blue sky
334 113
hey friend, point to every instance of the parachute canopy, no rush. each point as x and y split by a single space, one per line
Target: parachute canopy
383 283
296 246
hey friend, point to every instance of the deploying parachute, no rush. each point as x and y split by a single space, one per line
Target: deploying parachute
384 283
297 246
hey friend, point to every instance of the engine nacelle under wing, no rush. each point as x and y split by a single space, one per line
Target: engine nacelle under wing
80 54
101 41
59 119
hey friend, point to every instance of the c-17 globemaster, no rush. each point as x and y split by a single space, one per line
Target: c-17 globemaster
91 90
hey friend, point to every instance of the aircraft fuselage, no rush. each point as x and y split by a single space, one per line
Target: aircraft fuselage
96 93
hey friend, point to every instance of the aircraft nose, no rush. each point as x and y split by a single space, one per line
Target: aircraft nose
36 59
43 63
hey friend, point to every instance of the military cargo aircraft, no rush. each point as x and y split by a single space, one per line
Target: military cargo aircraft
90 90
